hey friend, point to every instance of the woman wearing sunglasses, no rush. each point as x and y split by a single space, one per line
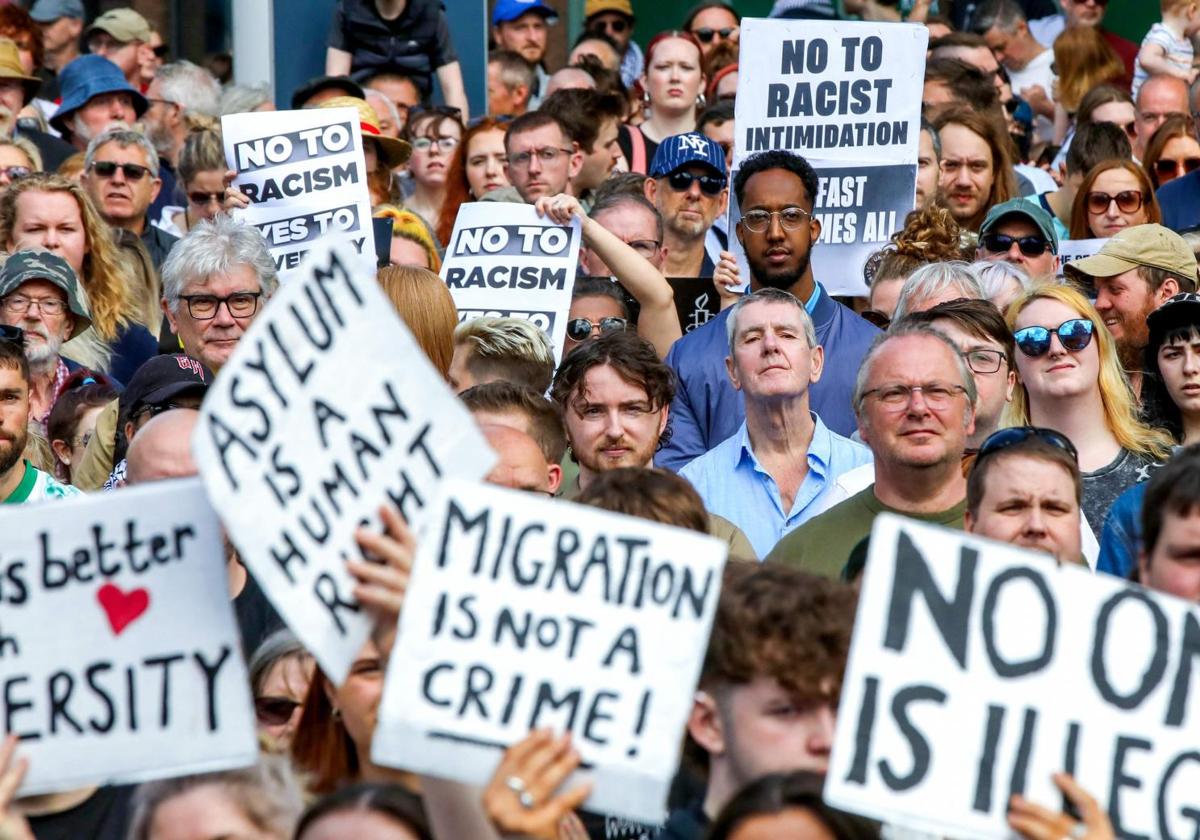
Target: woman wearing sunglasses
202 175
1115 195
280 673
1071 381
1173 150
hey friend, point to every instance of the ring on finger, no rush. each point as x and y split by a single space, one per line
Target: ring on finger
515 784
527 800
1078 831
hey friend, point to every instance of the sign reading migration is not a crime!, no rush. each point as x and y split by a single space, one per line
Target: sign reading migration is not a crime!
977 670
524 613
305 176
119 653
504 260
847 97
327 409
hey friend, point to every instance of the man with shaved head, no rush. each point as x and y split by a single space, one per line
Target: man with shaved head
161 449
521 464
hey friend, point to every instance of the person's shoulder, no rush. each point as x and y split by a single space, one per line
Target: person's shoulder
814 534
508 194
47 488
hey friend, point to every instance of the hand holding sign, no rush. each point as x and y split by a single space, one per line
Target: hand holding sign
1038 823
520 797
383 579
13 825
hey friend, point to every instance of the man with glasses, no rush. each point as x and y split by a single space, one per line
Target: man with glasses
772 474
1022 233
39 293
776 191
1024 488
915 401
179 89
1159 97
121 174
1136 271
592 120
124 38
615 19
688 185
542 159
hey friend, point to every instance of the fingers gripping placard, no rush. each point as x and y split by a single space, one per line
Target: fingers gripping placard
977 670
526 613
327 409
119 654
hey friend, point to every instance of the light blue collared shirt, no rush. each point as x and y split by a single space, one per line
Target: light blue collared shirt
733 484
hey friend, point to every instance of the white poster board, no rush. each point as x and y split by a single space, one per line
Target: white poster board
119 654
305 176
1070 250
327 408
527 612
504 260
847 97
977 670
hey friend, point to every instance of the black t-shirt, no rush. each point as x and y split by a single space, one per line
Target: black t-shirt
256 617
625 141
102 816
415 44
696 300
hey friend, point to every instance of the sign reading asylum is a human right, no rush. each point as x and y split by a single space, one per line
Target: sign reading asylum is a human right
847 97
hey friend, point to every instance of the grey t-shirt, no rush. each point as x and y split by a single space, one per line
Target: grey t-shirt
1101 488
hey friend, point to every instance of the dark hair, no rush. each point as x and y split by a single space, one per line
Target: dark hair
980 318
779 792
73 400
532 121
718 113
777 159
391 801
12 357
598 35
1031 447
615 200
581 112
966 81
1095 142
431 119
545 417
1176 125
1080 227
600 287
1097 96
988 125
697 9
15 23
1157 406
957 39
1175 490
657 495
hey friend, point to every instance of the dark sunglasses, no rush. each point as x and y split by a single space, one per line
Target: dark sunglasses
1167 168
16 335
580 329
107 169
879 319
203 199
1005 438
1000 243
617 25
161 51
274 711
709 184
1128 201
1074 335
705 33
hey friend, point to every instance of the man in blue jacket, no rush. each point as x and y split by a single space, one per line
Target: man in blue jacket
775 191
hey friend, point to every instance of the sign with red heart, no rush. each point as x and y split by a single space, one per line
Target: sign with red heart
122 608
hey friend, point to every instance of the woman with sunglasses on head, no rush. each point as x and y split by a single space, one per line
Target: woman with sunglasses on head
1115 195
476 168
1173 150
673 85
1070 380
201 172
434 135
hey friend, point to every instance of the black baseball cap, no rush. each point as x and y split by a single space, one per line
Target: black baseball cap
312 87
161 379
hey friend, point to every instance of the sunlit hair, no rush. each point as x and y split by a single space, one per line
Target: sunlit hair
929 235
935 279
407 225
242 99
1084 60
26 148
1080 229
770 295
202 151
124 138
217 246
424 303
994 275
512 349
106 278
1120 408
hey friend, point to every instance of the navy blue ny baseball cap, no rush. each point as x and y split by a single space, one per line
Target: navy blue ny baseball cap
510 10
684 149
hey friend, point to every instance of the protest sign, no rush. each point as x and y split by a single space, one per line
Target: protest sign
119 654
977 670
847 97
525 612
327 409
696 301
305 176
504 260
1070 250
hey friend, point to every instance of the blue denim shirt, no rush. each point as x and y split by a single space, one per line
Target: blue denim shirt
1122 535
734 484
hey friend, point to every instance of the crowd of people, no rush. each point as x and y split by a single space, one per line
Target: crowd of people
979 382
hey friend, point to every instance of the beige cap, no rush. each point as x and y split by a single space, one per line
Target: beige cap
1141 245
124 25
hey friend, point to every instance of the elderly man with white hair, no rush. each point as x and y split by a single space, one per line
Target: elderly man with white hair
937 283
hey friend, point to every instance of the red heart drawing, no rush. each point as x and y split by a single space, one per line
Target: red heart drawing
123 608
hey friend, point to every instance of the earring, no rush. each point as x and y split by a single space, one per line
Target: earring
337 713
700 100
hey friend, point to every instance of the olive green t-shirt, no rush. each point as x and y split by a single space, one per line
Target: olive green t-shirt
822 545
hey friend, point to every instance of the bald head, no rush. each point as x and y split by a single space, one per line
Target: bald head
162 448
521 464
1158 98
570 77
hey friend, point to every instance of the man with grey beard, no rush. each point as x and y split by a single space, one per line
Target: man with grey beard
40 294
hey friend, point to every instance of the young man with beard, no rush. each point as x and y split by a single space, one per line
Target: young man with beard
776 192
39 293
977 171
1136 271
20 481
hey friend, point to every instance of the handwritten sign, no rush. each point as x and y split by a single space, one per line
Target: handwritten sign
847 97
504 260
977 670
327 408
525 612
305 176
119 653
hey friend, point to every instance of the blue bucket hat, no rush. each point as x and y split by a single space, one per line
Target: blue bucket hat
86 77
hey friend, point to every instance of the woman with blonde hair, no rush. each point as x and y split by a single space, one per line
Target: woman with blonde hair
425 305
18 159
201 171
47 211
412 243
1070 380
